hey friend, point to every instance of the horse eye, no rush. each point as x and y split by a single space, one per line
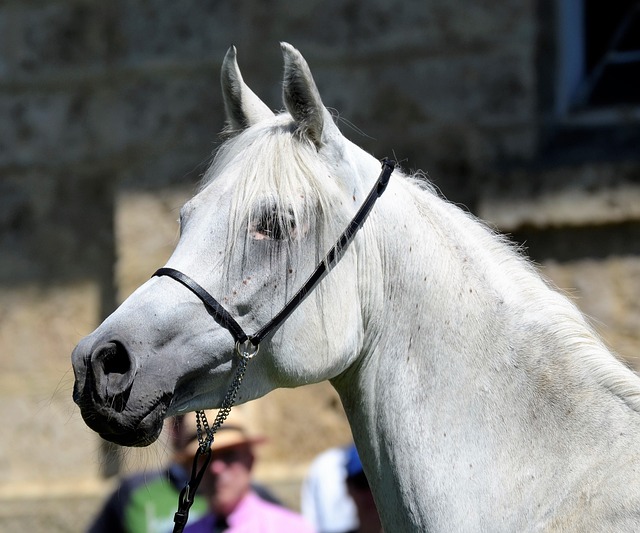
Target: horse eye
272 225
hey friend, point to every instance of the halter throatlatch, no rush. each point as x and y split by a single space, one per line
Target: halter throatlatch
247 345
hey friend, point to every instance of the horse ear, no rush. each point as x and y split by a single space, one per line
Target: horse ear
242 105
302 99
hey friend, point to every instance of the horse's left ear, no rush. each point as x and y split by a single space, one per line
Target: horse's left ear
302 99
242 105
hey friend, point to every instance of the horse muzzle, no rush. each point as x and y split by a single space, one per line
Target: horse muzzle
112 402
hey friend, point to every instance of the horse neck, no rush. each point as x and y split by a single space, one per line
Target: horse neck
463 355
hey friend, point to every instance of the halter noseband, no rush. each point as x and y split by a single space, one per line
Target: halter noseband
224 318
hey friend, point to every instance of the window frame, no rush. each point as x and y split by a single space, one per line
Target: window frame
568 132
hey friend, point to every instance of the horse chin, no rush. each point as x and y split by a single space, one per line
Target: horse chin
125 430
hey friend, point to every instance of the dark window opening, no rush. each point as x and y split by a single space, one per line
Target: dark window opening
589 80
611 54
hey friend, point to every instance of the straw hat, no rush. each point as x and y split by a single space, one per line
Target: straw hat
234 431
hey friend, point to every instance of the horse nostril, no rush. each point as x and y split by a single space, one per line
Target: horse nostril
114 359
112 369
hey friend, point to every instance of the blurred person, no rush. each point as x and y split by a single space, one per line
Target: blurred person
146 502
325 500
234 505
359 490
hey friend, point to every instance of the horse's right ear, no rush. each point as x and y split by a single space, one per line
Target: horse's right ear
242 105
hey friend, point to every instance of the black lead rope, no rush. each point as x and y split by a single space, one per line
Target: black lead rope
188 493
206 435
224 318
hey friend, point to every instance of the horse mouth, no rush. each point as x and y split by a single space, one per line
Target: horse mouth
124 428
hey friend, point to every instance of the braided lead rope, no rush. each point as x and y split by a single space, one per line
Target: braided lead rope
206 437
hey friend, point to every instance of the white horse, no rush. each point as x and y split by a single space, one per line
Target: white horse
479 398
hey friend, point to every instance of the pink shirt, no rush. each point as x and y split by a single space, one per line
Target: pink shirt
255 515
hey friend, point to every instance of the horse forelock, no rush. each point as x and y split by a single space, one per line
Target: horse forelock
275 168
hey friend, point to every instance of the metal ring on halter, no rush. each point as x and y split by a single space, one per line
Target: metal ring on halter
243 349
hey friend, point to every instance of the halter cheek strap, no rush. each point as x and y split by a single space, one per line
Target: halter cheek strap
224 318
220 314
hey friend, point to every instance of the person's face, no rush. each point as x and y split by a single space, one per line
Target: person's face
228 477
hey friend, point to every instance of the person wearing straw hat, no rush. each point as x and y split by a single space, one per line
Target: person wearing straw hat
234 504
146 502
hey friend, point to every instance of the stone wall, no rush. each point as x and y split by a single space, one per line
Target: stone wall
109 112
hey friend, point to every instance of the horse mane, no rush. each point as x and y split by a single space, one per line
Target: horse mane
566 323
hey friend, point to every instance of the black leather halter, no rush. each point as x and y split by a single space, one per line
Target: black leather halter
224 318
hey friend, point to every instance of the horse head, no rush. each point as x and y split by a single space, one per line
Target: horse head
275 198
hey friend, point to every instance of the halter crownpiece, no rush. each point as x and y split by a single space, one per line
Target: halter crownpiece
224 318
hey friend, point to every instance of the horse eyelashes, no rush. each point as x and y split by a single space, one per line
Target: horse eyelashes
272 227
272 224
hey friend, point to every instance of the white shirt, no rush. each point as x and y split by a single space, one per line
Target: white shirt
325 502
